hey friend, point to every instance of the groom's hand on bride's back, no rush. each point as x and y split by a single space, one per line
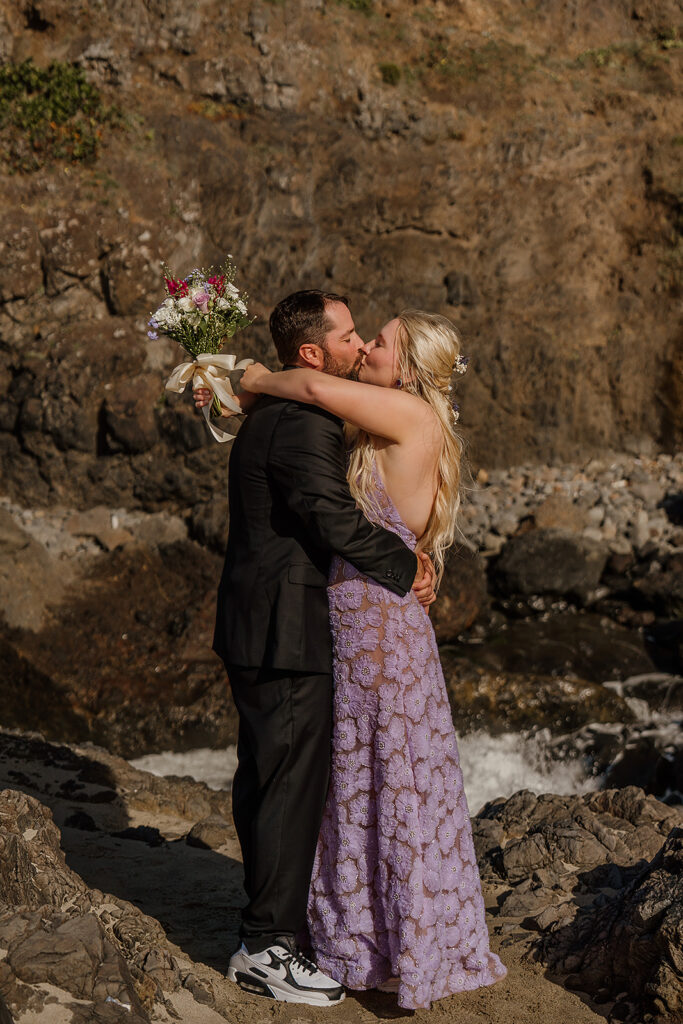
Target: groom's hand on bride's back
423 584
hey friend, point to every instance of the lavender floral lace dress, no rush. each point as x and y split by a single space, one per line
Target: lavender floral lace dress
395 889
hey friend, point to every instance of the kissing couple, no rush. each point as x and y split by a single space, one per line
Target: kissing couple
348 797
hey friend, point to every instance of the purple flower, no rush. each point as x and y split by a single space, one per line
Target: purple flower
369 617
364 670
152 335
347 875
397 663
350 642
348 595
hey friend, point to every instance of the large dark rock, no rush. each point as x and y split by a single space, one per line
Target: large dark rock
145 616
505 701
550 562
576 645
631 948
462 595
597 880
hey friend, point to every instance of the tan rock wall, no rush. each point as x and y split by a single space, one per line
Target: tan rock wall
510 165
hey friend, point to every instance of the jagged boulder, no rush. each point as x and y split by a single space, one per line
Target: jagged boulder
33 869
633 946
598 879
550 561
79 950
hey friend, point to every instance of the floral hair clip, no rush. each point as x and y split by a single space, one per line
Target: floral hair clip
460 364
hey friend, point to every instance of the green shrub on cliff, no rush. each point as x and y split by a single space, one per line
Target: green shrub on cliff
365 6
391 73
48 114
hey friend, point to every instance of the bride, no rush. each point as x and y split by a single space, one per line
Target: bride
395 900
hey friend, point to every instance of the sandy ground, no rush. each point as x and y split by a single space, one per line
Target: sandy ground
196 895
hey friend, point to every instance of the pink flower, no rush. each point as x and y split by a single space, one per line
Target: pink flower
201 301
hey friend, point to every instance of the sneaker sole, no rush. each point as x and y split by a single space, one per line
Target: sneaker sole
271 991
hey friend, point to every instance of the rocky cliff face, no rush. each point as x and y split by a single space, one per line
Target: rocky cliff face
511 166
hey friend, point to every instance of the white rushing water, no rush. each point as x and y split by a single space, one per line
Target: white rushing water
492 766
214 767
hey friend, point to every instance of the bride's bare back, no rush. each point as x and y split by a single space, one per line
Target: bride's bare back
409 474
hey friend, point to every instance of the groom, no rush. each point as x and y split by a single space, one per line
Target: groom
290 511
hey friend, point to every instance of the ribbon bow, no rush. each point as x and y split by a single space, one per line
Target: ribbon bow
210 371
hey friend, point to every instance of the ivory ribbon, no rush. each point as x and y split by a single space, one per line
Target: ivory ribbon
210 371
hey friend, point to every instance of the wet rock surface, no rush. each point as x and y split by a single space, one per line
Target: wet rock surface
507 701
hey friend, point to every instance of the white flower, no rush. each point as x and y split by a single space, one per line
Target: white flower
186 304
222 303
162 315
230 288
167 316
241 306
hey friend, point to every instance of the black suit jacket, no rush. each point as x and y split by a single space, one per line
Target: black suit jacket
290 510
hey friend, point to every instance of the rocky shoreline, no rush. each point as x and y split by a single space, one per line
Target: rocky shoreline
628 502
548 628
120 892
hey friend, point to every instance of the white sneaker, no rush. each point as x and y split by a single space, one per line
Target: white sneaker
280 974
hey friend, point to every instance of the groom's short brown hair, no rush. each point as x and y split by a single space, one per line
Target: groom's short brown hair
300 318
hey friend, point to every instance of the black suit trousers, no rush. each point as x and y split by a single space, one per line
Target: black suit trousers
279 791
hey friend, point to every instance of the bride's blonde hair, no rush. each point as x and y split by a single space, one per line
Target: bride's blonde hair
427 350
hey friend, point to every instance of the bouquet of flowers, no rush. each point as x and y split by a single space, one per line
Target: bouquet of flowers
199 312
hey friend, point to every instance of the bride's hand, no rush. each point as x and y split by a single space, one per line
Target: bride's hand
253 377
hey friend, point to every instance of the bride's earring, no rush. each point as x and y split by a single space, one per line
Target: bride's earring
399 383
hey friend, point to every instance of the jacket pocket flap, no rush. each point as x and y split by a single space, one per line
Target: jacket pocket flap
308 575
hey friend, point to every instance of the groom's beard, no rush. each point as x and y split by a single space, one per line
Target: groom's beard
337 369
